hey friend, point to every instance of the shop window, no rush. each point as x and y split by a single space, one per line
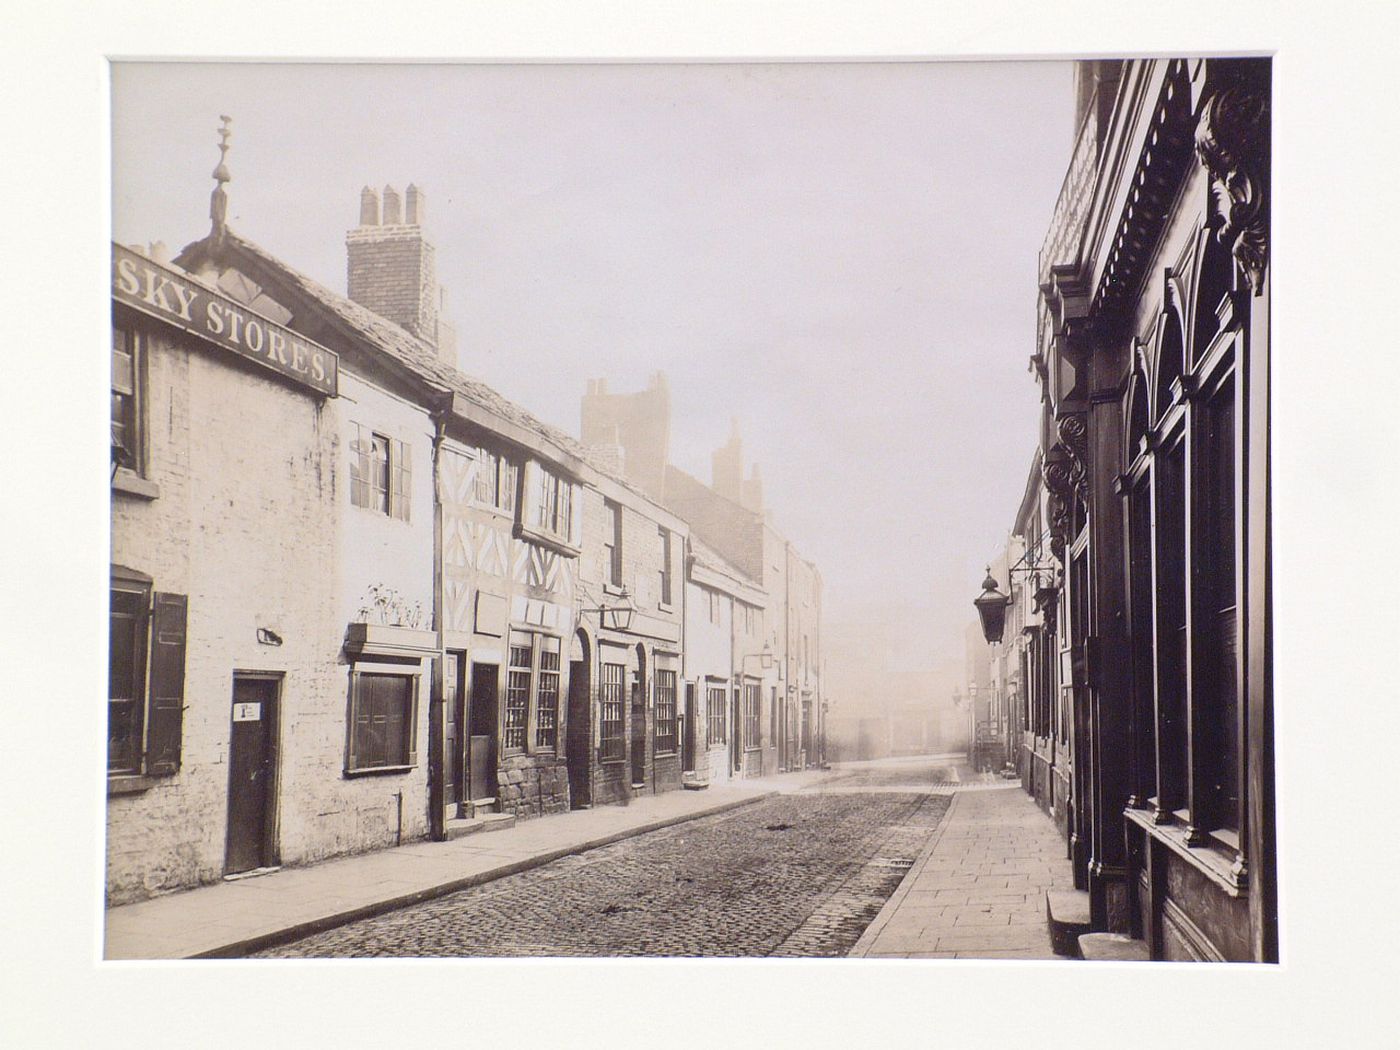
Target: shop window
1213 579
666 724
380 473
547 695
610 698
146 677
128 367
518 690
1171 627
383 718
717 699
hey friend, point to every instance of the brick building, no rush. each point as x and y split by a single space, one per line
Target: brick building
780 725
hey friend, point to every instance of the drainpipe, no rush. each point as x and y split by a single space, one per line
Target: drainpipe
437 817
736 746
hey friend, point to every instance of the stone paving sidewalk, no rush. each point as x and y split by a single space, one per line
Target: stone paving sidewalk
233 918
977 890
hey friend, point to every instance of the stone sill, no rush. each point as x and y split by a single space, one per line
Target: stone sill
129 483
1208 859
130 784
379 771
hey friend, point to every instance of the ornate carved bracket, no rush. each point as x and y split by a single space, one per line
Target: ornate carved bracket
1232 142
1073 428
1057 472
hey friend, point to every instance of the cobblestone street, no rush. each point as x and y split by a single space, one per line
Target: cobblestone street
801 874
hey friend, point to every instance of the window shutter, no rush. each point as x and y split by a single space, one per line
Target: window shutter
401 469
167 691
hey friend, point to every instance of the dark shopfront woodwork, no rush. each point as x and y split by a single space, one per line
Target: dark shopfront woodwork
252 794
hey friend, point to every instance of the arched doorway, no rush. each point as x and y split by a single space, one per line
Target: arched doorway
578 750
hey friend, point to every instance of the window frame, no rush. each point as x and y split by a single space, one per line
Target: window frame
533 692
667 575
753 714
139 595
717 712
394 497
135 445
354 748
666 713
159 636
1187 806
612 543
609 742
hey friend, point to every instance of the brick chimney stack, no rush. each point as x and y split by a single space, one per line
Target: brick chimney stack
391 267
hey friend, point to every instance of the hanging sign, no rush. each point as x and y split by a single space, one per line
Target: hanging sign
163 293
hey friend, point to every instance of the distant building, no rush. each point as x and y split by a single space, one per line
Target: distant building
781 704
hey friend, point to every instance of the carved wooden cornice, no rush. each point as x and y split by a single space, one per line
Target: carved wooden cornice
1232 143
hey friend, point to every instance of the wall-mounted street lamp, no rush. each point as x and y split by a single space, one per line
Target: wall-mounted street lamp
991 609
992 604
615 617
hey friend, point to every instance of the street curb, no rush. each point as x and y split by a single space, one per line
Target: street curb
862 947
239 948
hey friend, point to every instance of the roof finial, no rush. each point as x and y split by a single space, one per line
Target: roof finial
218 200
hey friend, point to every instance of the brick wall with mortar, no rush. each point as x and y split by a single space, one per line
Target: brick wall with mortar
243 525
392 271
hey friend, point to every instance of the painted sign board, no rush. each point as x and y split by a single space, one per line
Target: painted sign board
247 712
163 293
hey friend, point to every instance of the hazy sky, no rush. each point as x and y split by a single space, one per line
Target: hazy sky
843 256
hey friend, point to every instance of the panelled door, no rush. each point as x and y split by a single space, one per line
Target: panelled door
252 768
483 719
688 730
454 739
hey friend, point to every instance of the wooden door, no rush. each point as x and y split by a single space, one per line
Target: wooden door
484 725
454 740
579 735
688 730
251 797
639 730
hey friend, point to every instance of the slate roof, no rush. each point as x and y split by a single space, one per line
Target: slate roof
717 562
418 356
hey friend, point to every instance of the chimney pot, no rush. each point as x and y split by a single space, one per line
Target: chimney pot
369 207
393 207
416 206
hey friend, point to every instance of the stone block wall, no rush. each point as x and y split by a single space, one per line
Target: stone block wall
533 785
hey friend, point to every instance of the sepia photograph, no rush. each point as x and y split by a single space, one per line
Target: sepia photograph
627 523
662 509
